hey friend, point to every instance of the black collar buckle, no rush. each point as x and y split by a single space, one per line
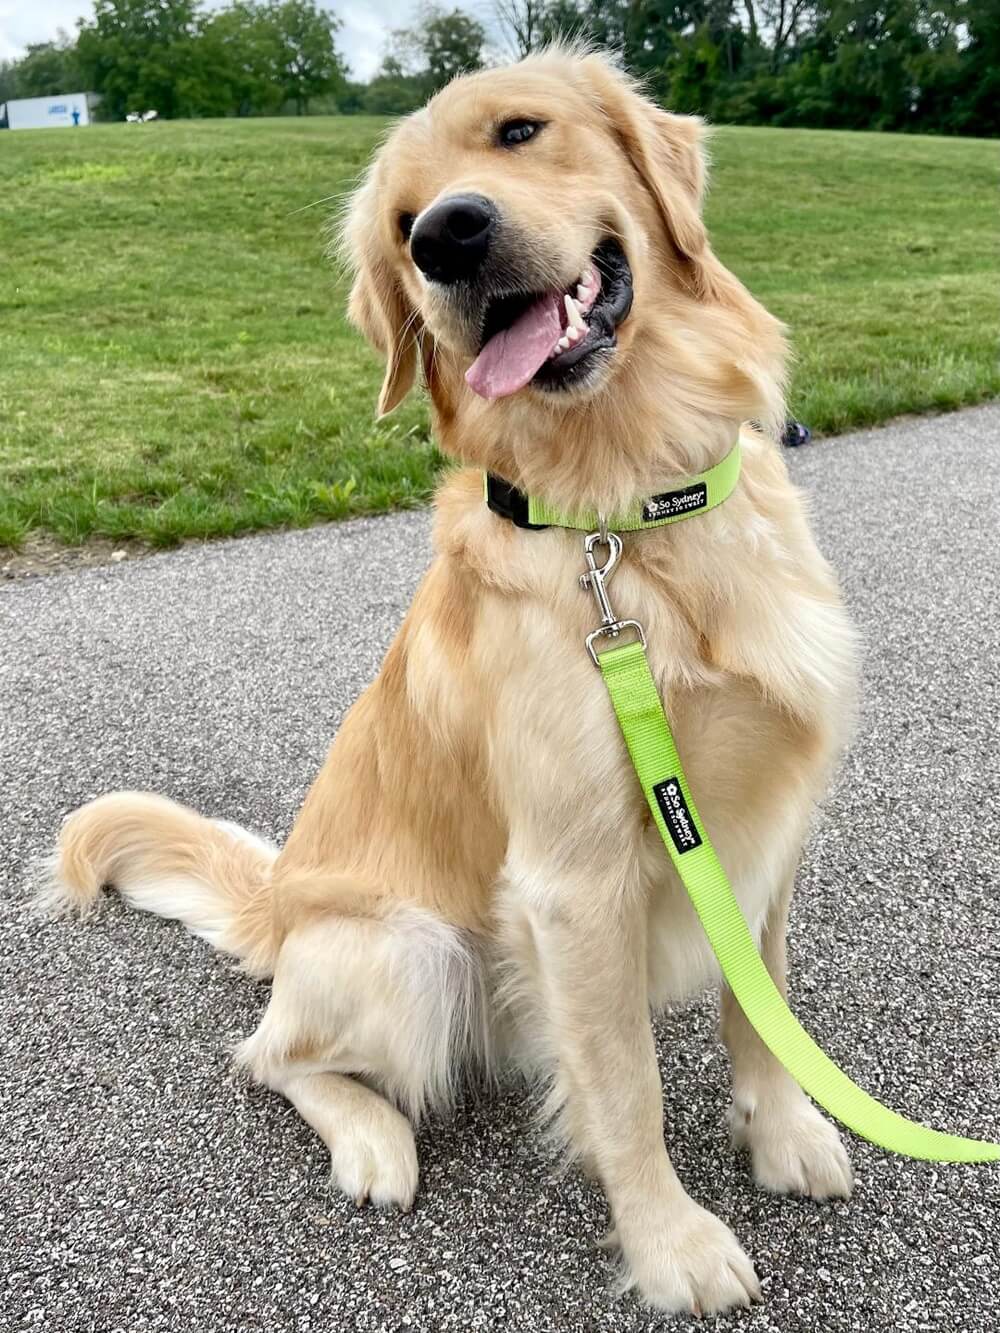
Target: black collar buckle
504 499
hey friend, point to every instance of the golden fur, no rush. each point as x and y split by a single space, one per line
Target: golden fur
473 877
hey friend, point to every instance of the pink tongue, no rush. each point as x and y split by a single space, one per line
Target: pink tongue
511 357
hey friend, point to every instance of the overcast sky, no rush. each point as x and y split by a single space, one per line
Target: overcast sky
361 39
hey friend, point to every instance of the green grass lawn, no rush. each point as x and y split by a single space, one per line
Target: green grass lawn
174 359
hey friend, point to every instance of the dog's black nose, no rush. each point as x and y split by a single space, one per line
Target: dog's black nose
451 240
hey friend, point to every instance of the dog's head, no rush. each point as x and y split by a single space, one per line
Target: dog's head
536 230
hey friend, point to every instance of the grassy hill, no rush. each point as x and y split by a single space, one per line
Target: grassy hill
175 361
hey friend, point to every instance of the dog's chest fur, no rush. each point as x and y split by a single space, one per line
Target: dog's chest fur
754 657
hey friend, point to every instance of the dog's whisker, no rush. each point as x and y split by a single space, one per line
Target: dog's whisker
315 204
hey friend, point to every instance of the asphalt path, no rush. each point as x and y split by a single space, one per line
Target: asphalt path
145 1186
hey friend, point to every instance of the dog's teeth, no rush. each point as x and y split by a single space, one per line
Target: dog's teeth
563 343
573 311
573 333
582 292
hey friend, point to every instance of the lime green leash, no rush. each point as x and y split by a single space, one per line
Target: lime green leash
647 734
661 775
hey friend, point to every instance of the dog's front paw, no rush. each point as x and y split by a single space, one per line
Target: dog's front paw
794 1150
687 1262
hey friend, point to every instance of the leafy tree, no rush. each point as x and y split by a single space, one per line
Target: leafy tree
647 33
437 49
47 68
404 54
565 20
255 55
453 45
962 85
307 60
137 53
386 95
401 84
236 66
251 56
864 79
694 71
351 98
8 80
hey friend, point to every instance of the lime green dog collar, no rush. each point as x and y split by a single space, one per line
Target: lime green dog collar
696 496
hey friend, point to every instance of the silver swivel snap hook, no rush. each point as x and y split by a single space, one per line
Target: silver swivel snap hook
597 578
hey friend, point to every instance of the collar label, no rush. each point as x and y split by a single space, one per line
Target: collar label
676 815
672 503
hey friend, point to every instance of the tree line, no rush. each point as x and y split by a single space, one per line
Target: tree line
252 57
930 66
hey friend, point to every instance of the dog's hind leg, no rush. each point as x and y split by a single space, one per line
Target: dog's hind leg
372 1151
367 1011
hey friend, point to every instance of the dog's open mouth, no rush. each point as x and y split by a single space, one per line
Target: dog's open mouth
554 338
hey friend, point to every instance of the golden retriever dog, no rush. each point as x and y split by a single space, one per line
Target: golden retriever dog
474 881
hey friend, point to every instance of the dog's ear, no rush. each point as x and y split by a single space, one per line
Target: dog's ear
667 151
378 306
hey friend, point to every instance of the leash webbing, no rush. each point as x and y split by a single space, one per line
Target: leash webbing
647 734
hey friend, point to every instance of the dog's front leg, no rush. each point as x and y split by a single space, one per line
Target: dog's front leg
794 1150
590 969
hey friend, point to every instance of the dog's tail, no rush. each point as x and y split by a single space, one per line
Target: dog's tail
165 858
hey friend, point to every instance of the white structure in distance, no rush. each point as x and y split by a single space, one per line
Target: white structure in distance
40 113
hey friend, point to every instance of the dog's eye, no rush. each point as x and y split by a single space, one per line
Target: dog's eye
406 221
513 132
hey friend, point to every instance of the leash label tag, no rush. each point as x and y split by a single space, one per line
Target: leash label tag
670 504
676 815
